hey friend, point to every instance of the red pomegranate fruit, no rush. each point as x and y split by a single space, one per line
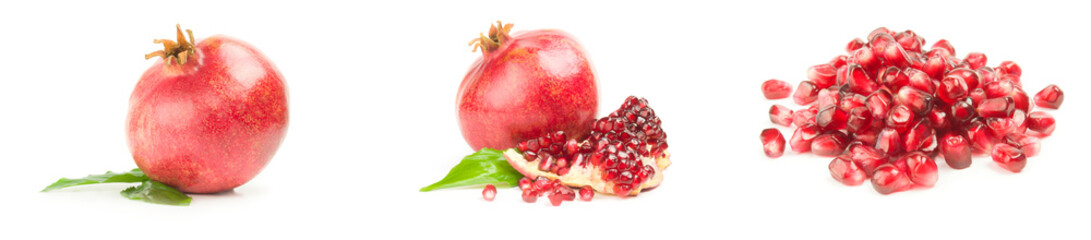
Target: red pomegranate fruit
624 154
524 86
209 116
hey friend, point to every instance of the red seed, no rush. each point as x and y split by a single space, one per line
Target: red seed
772 142
879 104
1009 157
775 89
586 193
1041 122
831 118
917 101
942 43
1050 97
976 60
525 183
890 179
865 57
1010 67
844 170
866 157
555 198
802 137
859 120
829 144
856 43
806 93
780 115
1028 144
530 195
952 88
823 75
922 169
996 107
889 142
899 118
998 88
956 150
489 193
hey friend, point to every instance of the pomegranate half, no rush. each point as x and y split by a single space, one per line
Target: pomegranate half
209 116
526 85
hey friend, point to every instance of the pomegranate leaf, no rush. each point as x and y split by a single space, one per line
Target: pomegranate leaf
132 176
156 192
487 166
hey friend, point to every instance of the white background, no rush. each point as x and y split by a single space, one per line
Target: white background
372 88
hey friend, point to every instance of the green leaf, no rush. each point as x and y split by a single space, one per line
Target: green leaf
156 192
487 166
134 175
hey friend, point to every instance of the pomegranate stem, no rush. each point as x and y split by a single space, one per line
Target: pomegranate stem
498 34
175 51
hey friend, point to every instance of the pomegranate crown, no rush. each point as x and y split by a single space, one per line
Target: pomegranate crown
498 34
173 51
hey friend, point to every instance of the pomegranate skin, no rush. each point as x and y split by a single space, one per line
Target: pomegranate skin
211 124
534 83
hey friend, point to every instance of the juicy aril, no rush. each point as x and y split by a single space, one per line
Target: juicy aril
524 86
624 154
209 116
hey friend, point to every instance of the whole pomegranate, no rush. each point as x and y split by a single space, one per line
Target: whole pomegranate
209 116
525 86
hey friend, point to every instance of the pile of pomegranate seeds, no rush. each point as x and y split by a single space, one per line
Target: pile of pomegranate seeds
889 107
556 191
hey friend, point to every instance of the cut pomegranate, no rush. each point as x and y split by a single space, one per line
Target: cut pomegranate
844 170
623 155
772 142
1050 97
956 151
921 169
806 93
489 193
1009 157
1041 122
889 179
775 89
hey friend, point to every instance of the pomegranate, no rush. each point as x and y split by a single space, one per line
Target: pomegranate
624 154
892 107
524 86
207 117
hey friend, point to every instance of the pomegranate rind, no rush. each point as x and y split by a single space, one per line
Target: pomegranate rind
586 175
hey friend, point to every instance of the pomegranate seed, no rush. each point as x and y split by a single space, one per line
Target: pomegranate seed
831 118
775 89
1050 97
952 88
942 43
962 111
939 120
844 170
802 137
935 66
893 78
889 179
530 195
780 115
999 127
978 135
889 142
1010 67
878 31
956 150
920 137
859 120
804 116
1009 157
555 198
1041 122
918 101
865 58
806 93
858 80
829 144
909 40
899 118
525 183
772 142
839 61
489 193
823 75
856 43
1028 144
828 98
999 88
895 55
921 169
976 60
996 107
866 157
920 81
586 193
879 104
1022 102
